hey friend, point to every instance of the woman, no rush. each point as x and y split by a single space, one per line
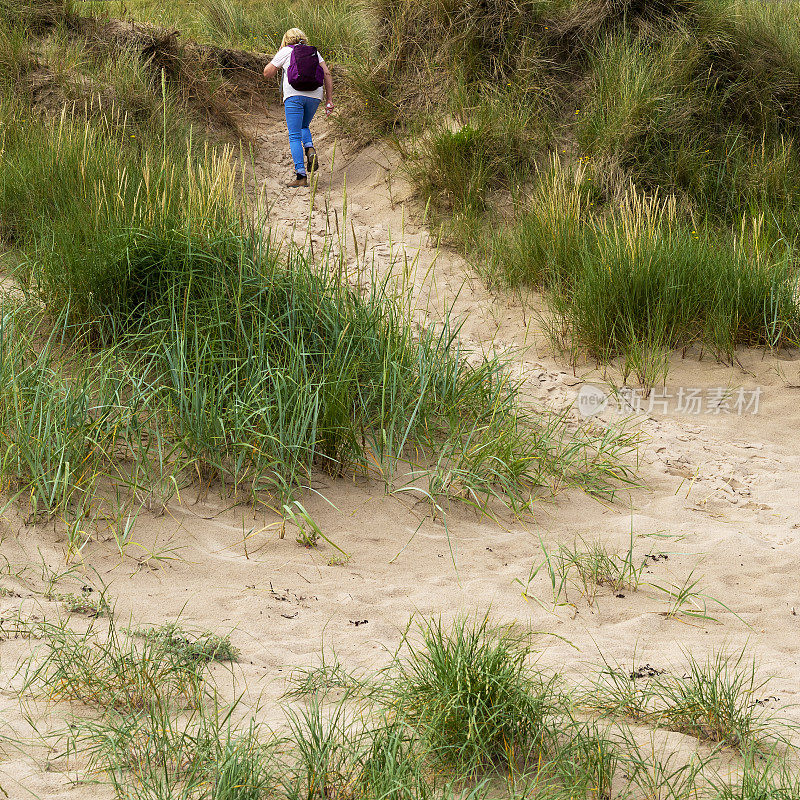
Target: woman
300 106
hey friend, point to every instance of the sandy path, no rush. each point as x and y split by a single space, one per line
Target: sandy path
721 501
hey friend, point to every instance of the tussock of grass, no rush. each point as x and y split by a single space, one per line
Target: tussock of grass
763 777
160 755
469 162
659 772
110 671
321 680
153 82
87 244
458 165
329 750
715 701
587 567
37 15
192 647
469 691
639 278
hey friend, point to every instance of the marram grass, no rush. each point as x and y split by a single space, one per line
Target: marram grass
462 711
692 104
184 346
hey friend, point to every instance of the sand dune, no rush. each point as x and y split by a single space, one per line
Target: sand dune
719 502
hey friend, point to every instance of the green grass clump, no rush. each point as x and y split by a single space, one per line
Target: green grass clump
191 647
328 676
155 89
457 166
16 59
159 754
639 278
328 750
465 169
763 777
472 696
241 769
111 671
86 244
36 14
587 567
716 701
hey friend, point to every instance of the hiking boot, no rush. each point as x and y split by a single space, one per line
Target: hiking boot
311 159
300 180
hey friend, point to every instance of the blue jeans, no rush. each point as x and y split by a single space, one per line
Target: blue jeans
300 111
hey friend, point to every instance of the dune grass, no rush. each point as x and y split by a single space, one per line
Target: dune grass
717 700
179 346
167 342
680 119
469 691
462 711
638 277
158 754
686 109
688 105
110 670
336 27
586 567
762 776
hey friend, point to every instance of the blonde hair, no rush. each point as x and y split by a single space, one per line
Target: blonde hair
294 36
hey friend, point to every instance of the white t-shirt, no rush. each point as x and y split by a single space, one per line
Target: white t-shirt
281 61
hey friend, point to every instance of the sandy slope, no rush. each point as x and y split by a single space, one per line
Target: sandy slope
721 501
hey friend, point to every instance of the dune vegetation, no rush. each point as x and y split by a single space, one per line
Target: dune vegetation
164 340
639 159
461 711
549 136
636 162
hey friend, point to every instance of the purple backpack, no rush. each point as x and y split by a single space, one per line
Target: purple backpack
305 73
